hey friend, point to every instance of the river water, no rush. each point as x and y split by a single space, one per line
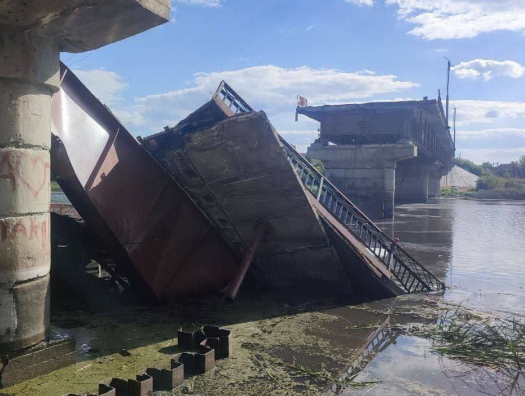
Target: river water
478 248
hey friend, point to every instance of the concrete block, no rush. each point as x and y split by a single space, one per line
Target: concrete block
24 181
34 362
83 25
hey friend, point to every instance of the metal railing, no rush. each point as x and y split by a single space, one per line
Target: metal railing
64 210
408 273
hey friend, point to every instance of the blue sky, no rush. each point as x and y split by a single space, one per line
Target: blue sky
330 51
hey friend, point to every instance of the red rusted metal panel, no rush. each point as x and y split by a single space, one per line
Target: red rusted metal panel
151 227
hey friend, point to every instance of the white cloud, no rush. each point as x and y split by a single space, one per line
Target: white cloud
488 69
361 2
471 112
311 27
491 133
501 156
455 19
205 3
272 87
129 118
107 86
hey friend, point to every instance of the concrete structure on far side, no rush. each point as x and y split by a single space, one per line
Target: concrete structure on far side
379 154
460 179
32 34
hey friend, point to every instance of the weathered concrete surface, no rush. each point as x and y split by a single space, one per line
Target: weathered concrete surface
365 174
434 181
238 173
412 180
420 121
354 127
31 36
86 24
28 76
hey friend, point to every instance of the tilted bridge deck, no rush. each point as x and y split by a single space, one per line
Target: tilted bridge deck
238 149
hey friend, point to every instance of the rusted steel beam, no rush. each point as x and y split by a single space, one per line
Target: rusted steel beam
156 235
260 231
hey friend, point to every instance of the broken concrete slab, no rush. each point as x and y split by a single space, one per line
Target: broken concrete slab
36 361
240 163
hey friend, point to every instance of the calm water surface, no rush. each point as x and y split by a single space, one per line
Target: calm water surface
478 248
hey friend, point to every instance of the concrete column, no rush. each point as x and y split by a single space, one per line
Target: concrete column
434 185
28 77
412 180
365 174
434 182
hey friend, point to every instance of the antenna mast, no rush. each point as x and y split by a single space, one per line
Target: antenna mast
448 84
454 129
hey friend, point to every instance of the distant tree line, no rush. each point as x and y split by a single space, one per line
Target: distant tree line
497 178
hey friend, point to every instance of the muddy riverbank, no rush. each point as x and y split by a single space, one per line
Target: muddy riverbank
286 343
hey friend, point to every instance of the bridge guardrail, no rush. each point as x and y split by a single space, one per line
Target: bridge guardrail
409 273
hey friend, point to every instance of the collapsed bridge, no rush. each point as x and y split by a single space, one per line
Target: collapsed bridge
195 206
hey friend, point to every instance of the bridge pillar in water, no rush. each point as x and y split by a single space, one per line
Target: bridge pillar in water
31 39
434 181
366 174
413 180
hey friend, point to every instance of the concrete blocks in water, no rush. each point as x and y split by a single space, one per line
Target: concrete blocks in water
19 367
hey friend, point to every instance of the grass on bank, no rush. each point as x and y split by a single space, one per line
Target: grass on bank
55 187
490 186
495 344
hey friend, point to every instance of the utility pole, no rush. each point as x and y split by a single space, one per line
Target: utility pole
448 84
454 121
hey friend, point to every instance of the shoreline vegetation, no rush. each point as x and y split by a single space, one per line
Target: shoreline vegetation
498 194
506 182
55 187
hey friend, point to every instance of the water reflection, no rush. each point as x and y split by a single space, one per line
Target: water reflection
376 342
476 246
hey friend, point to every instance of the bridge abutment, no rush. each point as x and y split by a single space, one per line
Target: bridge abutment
366 173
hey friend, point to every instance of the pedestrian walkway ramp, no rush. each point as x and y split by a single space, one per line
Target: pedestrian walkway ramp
240 172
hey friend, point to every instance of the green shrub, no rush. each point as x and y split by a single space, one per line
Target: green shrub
468 166
490 182
517 184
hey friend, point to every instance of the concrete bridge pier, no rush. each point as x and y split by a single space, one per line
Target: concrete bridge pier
412 180
434 181
366 174
28 78
31 38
